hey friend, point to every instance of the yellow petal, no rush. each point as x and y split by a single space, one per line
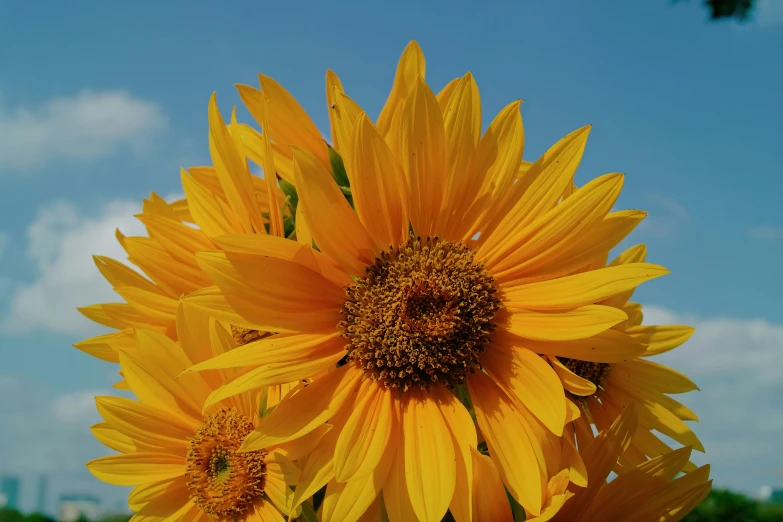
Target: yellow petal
527 376
593 245
464 438
660 339
303 446
462 124
145 423
212 217
430 470
332 83
571 381
112 438
395 491
444 95
565 293
232 172
361 444
274 294
377 185
515 451
119 274
157 307
301 413
107 346
541 187
289 123
581 323
490 501
335 227
423 158
498 155
344 114
601 456
543 239
410 66
281 372
137 468
659 376
270 246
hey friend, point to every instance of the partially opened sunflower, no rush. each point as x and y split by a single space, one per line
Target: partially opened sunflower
606 385
431 282
649 491
182 459
221 199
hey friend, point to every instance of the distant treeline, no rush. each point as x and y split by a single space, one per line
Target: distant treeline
13 515
721 506
726 506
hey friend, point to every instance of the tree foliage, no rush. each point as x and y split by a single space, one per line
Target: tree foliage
726 506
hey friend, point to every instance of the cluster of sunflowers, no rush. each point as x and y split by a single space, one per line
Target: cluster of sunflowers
410 323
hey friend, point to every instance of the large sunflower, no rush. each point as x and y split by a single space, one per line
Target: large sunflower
646 491
605 386
181 458
433 281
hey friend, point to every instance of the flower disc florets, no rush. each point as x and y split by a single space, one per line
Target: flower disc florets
594 372
421 315
223 482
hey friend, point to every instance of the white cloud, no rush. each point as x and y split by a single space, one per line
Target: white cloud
61 242
77 407
736 363
665 216
82 127
766 232
769 12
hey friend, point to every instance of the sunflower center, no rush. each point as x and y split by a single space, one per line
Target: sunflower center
222 482
422 314
244 336
592 371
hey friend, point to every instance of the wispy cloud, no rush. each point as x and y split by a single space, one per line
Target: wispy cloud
83 127
735 364
766 232
60 243
666 216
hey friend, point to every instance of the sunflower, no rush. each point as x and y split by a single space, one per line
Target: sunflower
430 284
647 491
603 388
222 199
181 459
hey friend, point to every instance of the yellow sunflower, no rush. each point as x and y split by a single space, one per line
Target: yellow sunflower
432 283
645 492
222 199
604 387
181 459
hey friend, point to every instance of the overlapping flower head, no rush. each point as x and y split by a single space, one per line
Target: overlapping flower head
432 314
181 458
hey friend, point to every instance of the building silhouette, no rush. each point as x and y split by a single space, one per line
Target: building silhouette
72 507
43 486
9 488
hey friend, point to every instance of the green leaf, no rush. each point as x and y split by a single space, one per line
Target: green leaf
292 198
309 513
338 168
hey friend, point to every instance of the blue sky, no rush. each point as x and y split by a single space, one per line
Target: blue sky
100 103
